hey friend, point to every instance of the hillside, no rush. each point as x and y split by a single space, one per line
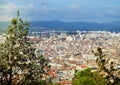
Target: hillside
68 26
73 26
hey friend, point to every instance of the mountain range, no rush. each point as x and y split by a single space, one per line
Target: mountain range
68 26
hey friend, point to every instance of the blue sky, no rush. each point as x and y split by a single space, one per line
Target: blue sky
62 10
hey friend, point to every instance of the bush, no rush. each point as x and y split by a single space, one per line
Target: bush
86 77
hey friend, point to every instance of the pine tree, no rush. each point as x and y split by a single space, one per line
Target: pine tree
18 63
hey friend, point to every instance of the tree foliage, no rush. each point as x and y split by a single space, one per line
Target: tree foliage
18 62
86 77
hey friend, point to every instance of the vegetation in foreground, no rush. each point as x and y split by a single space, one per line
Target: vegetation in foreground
106 73
18 63
86 77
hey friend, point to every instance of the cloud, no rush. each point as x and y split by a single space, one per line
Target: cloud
9 10
44 8
63 10
30 6
5 17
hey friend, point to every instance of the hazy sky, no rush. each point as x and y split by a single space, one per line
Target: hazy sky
62 10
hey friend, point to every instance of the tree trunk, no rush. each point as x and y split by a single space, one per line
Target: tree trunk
10 78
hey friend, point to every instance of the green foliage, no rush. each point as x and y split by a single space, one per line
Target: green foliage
86 77
86 72
11 51
36 70
17 57
85 81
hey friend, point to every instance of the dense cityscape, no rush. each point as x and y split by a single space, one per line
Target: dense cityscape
59 42
70 52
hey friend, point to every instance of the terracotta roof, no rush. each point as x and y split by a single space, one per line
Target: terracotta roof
65 82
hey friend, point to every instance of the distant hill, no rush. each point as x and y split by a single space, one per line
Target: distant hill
68 26
73 26
3 26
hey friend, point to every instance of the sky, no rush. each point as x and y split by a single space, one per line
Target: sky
61 10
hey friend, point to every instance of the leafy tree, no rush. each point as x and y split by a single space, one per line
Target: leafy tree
38 67
86 77
106 68
18 63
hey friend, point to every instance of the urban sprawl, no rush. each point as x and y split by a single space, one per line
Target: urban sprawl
70 52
